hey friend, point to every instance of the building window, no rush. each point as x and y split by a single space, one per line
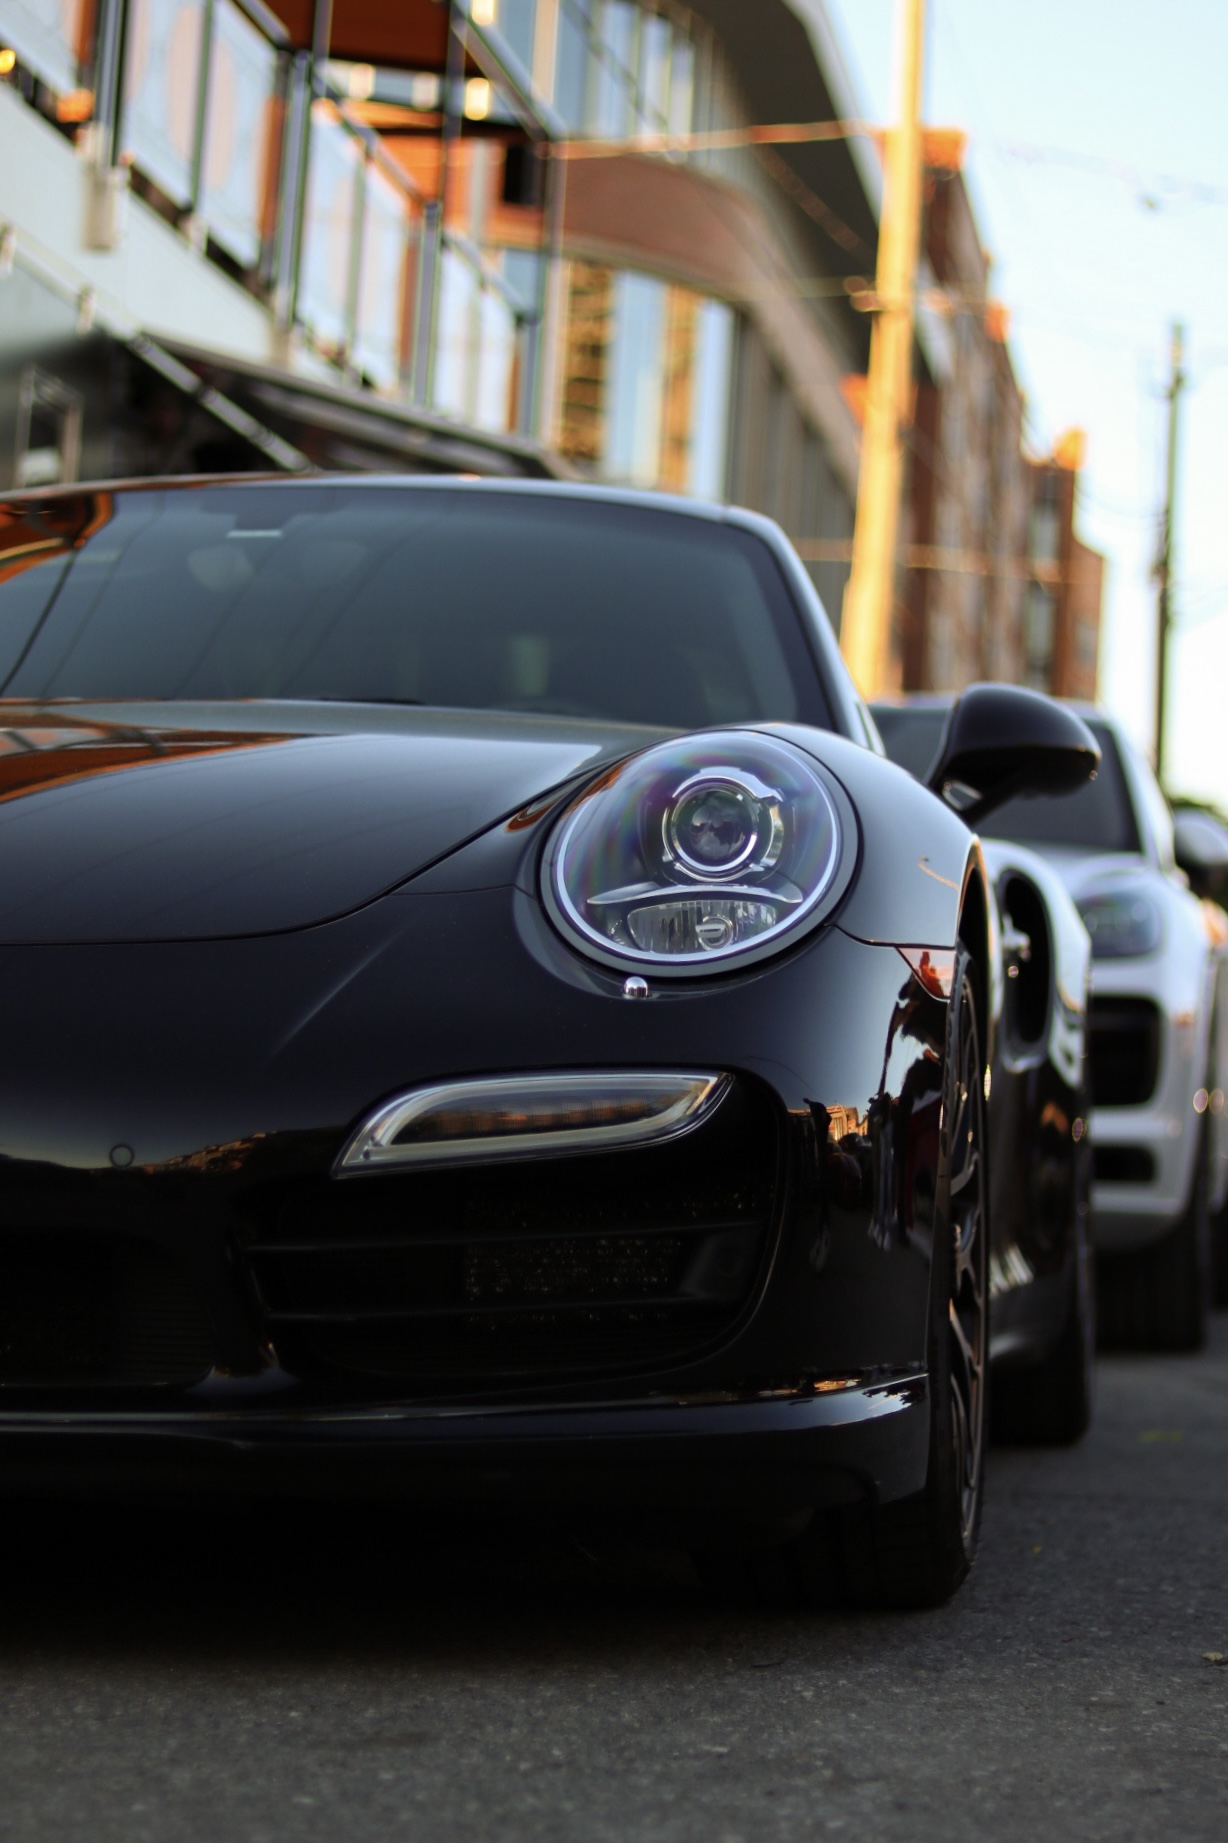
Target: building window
636 386
514 20
571 61
616 63
710 421
1039 625
646 381
622 69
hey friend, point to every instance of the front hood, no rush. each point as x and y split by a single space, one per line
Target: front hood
175 822
1085 872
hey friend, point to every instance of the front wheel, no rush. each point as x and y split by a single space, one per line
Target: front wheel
916 1552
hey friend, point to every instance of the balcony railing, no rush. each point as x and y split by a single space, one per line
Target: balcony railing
250 148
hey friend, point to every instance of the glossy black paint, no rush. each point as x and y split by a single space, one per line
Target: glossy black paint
227 932
1002 740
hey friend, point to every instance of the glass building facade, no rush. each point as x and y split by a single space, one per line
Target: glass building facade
409 216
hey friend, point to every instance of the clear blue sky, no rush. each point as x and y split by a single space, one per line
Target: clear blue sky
1095 265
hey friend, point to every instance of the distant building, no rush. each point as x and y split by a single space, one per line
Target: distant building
1065 583
994 583
251 233
443 235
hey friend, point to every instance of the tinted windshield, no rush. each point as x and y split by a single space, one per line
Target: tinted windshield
449 597
1097 816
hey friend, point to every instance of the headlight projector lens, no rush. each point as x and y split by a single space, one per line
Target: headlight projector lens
699 851
719 823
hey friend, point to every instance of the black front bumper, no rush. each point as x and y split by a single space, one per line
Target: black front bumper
754 1457
169 1092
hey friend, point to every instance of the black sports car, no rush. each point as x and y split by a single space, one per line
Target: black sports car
483 1018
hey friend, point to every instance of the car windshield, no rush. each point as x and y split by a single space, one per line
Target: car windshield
1097 816
441 596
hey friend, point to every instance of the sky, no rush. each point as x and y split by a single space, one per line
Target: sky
1098 169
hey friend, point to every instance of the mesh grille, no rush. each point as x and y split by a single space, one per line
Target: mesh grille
1125 1051
577 1264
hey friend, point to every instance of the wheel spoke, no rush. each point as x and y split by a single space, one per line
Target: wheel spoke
971 1170
969 1361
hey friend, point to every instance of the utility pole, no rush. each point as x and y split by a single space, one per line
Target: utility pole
1164 570
865 630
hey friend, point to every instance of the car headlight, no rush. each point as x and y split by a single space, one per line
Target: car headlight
1123 924
697 851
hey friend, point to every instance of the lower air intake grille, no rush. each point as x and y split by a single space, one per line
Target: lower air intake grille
100 1310
1125 1051
612 1262
1123 1164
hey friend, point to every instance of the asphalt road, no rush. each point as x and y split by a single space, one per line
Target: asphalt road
237 1678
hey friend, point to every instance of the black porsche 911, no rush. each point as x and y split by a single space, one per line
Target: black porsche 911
484 1021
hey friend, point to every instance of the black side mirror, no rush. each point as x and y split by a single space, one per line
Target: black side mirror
1000 741
1200 842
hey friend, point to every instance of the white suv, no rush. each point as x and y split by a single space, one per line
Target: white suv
1159 1030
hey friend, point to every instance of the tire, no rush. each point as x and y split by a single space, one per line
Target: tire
1159 1298
1051 1403
917 1552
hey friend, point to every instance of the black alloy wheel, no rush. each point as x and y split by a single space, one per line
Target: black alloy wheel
917 1551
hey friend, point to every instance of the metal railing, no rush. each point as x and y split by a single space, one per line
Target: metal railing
247 145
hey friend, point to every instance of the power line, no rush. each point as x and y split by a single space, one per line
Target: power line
1153 192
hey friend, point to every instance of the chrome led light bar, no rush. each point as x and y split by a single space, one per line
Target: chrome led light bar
530 1116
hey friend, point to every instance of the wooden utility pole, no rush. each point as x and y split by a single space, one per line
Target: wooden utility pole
865 631
1164 569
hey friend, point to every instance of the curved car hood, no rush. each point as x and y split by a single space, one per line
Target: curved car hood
195 822
1082 869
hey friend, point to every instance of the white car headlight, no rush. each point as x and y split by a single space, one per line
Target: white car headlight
698 851
1123 924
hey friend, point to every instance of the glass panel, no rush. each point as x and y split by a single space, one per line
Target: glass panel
655 39
682 86
613 96
710 425
571 62
239 133
496 363
329 225
457 332
515 20
47 36
381 284
633 442
161 90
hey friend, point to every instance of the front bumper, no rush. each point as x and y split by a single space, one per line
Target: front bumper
1165 1129
177 1093
769 1457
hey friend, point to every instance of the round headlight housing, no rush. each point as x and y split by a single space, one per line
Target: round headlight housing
698 851
1124 923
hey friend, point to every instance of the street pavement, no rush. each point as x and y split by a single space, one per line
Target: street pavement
264 1673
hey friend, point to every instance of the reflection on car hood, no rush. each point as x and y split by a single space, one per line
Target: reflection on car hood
174 822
